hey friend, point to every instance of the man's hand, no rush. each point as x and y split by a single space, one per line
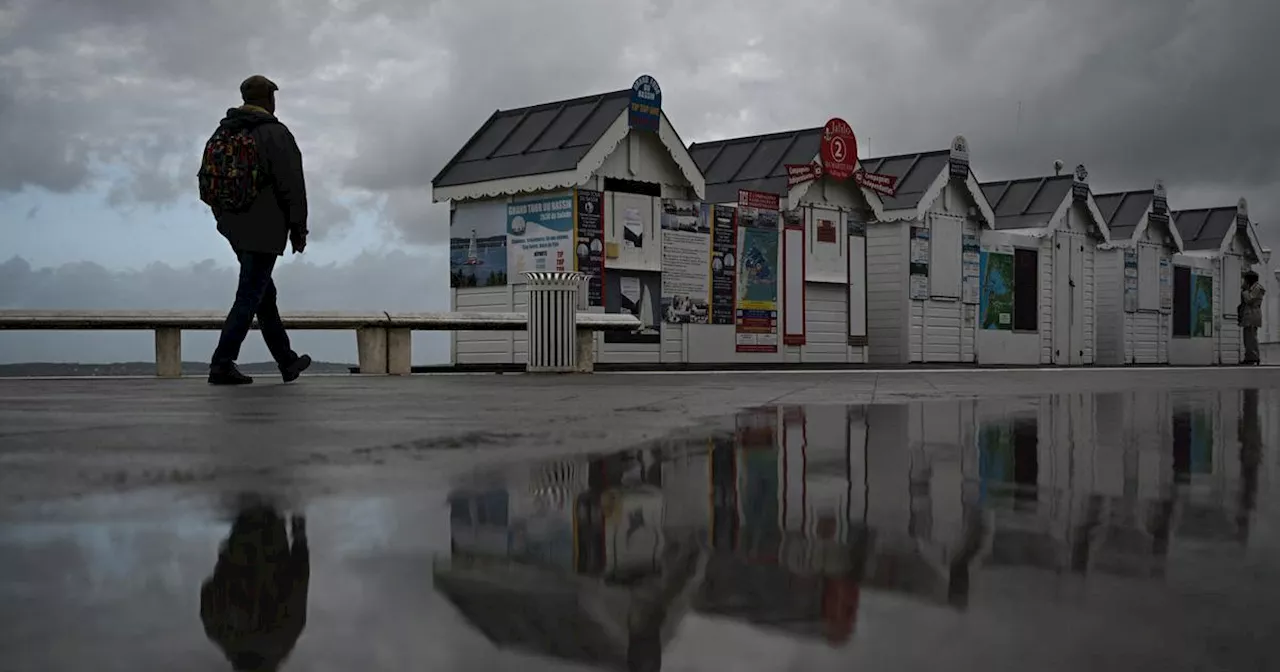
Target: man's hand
298 241
298 525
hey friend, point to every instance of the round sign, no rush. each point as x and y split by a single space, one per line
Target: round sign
839 149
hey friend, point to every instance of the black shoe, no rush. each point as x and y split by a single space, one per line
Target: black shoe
291 372
228 375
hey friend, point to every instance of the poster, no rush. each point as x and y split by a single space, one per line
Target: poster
971 270
589 235
757 311
996 302
540 235
637 293
686 276
724 251
919 280
1166 286
478 255
1201 305
1130 280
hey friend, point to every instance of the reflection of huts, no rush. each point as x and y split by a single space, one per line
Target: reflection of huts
573 617
1221 243
549 151
1135 314
1038 291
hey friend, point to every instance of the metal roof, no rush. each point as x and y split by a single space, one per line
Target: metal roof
759 163
1206 228
1027 203
1123 211
546 138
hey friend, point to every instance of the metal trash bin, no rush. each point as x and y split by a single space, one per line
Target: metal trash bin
553 321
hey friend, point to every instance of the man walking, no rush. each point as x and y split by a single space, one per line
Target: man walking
251 178
1250 312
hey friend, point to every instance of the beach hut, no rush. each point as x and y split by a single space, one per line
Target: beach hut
1221 244
1037 271
1135 300
888 256
820 303
576 184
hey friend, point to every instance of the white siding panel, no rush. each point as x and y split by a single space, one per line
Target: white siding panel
520 339
483 347
1046 300
887 292
1111 318
1090 301
826 323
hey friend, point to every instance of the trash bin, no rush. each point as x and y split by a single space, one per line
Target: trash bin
553 321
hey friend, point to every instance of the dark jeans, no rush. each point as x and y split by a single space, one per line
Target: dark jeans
255 297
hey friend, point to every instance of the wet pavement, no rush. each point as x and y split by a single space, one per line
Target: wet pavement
1127 529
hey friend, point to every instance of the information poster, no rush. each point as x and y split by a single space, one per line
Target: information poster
757 305
1166 286
996 307
589 227
724 255
540 235
1130 280
635 293
919 280
686 277
759 484
971 270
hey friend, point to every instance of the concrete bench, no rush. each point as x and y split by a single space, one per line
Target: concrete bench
383 339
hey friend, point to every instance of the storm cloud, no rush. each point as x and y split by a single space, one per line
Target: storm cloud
380 93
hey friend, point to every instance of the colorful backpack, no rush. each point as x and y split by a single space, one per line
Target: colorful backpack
230 174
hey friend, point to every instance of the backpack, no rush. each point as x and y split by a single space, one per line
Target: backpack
230 174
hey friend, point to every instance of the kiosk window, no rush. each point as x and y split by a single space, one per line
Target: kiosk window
1026 290
1181 301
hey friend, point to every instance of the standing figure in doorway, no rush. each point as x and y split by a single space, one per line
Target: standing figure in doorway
251 178
1250 312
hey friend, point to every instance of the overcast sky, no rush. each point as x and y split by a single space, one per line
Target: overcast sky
104 107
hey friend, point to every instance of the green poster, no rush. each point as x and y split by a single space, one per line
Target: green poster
996 299
1202 305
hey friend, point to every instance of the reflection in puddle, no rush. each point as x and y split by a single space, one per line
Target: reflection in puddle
1122 531
789 520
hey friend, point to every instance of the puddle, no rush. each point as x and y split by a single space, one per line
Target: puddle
1117 531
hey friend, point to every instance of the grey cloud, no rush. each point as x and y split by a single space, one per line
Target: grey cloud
397 281
380 94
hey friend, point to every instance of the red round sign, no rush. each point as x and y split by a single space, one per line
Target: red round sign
839 149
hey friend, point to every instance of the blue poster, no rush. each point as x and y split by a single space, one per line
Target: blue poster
478 254
540 235
645 112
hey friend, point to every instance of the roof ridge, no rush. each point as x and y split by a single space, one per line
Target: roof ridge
565 101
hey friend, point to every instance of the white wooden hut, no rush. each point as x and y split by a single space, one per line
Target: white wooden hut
1134 276
1221 244
1038 292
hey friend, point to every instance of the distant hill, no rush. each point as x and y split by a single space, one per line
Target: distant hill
37 369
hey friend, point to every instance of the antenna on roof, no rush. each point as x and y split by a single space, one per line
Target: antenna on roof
1057 167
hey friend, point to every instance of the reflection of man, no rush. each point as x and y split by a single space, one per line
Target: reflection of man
254 607
1250 312
1250 432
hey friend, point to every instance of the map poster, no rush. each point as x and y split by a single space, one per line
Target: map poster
589 233
996 302
1201 305
724 254
757 313
686 276
540 235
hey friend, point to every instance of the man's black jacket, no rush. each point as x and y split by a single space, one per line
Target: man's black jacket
281 205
